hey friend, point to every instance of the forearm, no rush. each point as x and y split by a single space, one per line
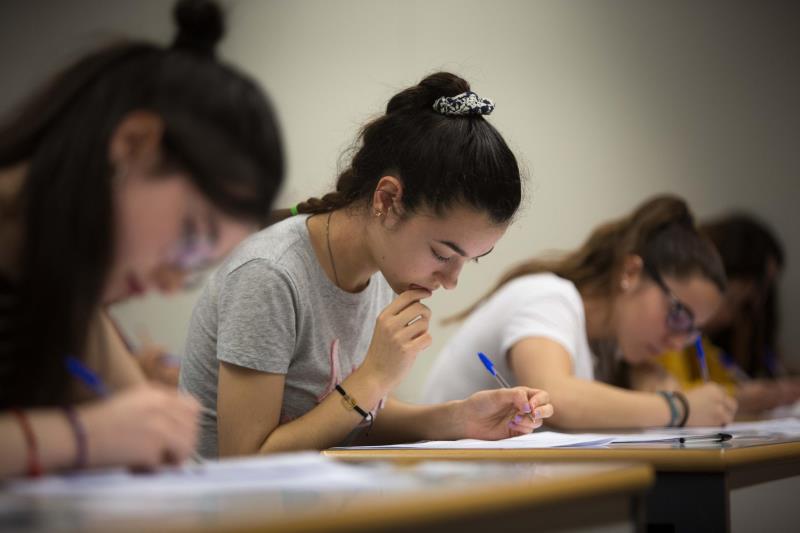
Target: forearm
584 404
330 422
55 442
404 422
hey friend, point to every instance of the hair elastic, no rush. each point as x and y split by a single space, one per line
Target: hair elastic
467 103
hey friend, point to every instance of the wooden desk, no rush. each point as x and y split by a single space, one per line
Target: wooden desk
477 497
699 487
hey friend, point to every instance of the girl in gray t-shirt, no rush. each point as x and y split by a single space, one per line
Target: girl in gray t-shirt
298 339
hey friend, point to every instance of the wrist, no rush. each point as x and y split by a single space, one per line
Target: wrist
372 382
367 388
79 438
448 421
674 413
92 415
684 403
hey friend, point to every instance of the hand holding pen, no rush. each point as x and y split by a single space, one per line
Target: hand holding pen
141 427
526 407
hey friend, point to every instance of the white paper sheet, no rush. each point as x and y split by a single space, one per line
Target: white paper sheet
539 439
554 439
789 427
302 471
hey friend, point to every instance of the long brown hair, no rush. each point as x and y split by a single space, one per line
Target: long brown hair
219 128
661 231
747 246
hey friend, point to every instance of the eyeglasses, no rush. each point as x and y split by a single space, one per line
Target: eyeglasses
680 318
193 254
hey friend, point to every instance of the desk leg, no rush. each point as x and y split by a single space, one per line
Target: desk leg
682 502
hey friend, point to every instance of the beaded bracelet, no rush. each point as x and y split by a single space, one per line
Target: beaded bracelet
682 398
352 405
82 452
34 464
673 409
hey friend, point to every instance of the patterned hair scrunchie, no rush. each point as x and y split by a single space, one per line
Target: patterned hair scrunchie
467 103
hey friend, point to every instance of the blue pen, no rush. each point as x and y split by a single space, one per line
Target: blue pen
89 378
500 379
490 367
701 357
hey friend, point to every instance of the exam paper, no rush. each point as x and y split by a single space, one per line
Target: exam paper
553 439
300 471
539 439
788 427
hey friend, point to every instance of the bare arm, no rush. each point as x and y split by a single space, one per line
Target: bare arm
144 426
489 415
55 442
249 405
249 402
579 404
108 355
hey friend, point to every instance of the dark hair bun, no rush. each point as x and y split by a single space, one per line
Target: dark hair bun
424 94
200 26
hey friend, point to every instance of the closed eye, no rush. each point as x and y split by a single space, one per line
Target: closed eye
440 258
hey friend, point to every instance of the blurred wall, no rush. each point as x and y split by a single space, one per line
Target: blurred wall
605 103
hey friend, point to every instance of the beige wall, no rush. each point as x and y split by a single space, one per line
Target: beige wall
605 103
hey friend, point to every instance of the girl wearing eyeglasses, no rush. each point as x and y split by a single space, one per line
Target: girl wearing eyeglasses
574 325
741 338
134 168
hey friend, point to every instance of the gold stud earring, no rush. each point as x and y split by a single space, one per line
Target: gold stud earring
378 212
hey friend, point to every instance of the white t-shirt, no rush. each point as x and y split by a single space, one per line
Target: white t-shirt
535 305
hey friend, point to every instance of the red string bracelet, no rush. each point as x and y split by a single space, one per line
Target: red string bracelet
34 465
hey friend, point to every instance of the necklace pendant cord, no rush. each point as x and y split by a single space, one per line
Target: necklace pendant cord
330 253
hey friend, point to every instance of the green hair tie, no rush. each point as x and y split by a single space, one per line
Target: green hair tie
293 210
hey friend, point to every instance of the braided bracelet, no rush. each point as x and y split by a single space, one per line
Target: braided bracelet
352 405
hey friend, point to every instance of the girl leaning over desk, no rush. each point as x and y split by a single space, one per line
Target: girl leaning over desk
574 324
741 339
135 167
299 338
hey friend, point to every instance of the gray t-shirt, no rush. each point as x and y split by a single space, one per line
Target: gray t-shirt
270 307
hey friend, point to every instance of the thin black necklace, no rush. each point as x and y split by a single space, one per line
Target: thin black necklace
330 253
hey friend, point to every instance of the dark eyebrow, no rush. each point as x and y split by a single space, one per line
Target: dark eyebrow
457 249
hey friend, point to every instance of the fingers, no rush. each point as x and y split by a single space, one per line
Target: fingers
532 406
420 343
534 401
175 422
730 405
411 314
405 299
523 424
